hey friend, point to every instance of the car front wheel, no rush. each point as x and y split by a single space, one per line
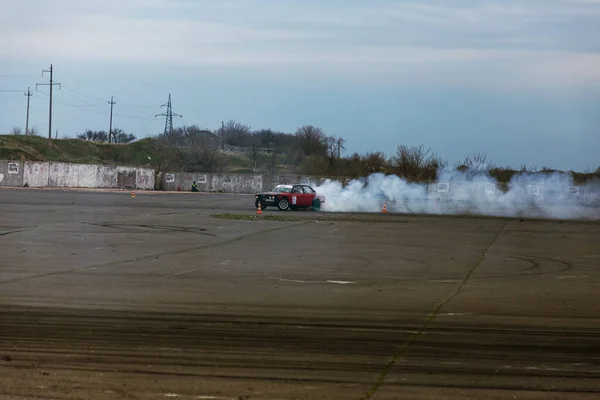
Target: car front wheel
283 204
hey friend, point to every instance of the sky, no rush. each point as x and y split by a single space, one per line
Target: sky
517 79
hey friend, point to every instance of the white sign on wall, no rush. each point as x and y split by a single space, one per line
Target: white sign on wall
573 190
13 168
170 178
443 187
36 168
534 190
201 178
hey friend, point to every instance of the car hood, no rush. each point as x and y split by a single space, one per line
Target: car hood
270 193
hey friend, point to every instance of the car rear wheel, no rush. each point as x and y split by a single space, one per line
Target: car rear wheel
283 204
316 205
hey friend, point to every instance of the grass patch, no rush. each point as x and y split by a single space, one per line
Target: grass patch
316 218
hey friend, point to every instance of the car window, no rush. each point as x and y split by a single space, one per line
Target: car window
282 189
308 189
297 189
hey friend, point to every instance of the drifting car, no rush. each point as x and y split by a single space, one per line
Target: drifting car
290 197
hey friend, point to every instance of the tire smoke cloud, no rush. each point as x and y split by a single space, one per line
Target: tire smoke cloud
527 194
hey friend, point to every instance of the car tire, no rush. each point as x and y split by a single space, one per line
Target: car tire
283 204
316 205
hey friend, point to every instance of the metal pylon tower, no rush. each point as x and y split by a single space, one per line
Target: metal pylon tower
169 116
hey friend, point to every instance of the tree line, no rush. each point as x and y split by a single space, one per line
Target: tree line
235 146
116 136
309 150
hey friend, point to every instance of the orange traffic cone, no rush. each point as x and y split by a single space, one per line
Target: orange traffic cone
259 210
384 210
133 195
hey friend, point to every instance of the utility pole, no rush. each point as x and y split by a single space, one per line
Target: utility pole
169 117
28 94
112 103
222 135
51 84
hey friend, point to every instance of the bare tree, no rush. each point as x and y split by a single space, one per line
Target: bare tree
474 164
235 133
258 161
33 131
95 136
119 136
417 163
214 159
311 140
374 163
192 149
272 159
16 131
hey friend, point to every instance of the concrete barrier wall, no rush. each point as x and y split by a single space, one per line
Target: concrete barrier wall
234 183
11 173
207 182
145 179
35 174
67 175
72 175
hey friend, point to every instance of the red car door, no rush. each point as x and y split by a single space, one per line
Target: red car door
309 195
299 198
296 196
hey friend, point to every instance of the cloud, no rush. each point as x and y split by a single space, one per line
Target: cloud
545 42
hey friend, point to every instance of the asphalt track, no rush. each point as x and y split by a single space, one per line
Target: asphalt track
103 296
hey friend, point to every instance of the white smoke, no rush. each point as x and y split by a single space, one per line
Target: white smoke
540 195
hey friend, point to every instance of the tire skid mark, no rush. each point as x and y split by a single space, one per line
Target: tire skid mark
314 379
191 249
429 320
13 231
155 228
532 270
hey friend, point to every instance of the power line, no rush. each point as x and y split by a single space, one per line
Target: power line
69 89
97 110
85 95
88 104
51 84
135 116
18 76
138 105
81 107
9 97
85 103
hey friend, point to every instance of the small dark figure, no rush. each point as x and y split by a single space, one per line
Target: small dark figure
194 187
